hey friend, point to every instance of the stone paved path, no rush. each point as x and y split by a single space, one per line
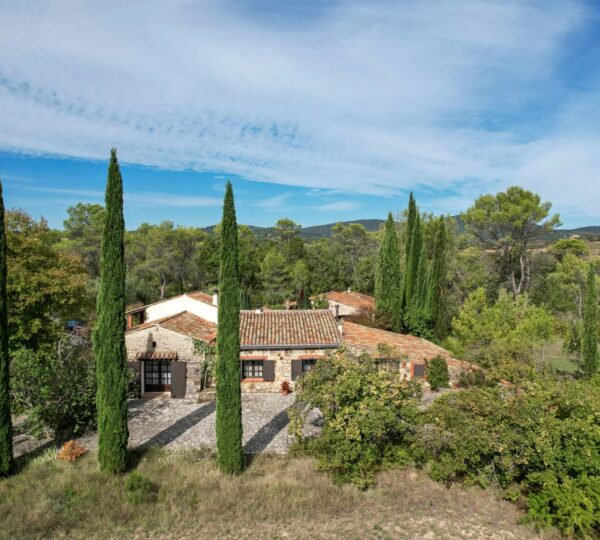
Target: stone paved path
173 423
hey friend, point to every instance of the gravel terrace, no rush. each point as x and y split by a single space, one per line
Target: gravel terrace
173 423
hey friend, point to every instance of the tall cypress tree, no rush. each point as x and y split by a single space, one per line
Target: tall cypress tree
229 400
590 361
388 279
109 335
420 296
412 268
410 225
438 271
6 454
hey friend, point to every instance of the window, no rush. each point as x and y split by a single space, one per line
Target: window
308 365
157 375
252 369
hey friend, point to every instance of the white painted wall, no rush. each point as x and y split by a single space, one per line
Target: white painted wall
179 304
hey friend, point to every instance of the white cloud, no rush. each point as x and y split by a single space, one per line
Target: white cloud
273 204
337 206
369 97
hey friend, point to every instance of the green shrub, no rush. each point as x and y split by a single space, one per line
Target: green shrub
140 489
56 389
437 373
542 435
369 415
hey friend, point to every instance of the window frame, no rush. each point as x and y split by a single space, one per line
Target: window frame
255 362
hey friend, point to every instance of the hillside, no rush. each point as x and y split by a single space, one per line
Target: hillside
315 232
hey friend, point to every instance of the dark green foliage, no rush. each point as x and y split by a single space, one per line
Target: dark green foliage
109 335
411 277
437 373
388 280
56 389
6 455
408 233
369 415
229 401
541 437
421 296
437 274
590 361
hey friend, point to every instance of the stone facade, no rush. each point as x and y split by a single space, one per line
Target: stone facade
142 341
283 366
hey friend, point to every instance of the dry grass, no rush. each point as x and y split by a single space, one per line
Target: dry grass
275 498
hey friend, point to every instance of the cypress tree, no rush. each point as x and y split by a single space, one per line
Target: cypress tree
421 291
410 225
438 271
6 454
412 267
590 362
229 400
109 335
388 279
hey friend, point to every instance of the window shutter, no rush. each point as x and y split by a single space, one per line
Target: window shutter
419 371
178 379
269 370
296 369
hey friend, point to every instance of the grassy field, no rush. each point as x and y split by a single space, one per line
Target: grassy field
554 356
184 496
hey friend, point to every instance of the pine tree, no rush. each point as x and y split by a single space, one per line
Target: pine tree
229 400
590 361
388 279
6 454
438 271
109 335
410 225
412 267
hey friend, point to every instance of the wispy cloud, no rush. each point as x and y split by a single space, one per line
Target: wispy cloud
352 96
273 204
337 206
135 199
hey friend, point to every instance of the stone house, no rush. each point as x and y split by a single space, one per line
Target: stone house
347 303
412 351
171 343
276 346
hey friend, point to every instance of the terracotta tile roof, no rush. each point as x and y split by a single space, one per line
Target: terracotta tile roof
156 355
298 328
351 298
202 297
366 339
191 325
184 323
150 324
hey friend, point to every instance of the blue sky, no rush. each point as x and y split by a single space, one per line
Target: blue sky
322 112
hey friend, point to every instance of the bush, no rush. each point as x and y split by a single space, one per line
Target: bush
369 415
140 489
542 436
437 373
56 389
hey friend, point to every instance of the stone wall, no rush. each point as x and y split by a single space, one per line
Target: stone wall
283 366
168 341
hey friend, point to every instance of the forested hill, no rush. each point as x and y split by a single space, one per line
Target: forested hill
314 232
324 231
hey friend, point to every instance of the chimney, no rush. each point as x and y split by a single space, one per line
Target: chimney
287 304
258 309
339 320
215 299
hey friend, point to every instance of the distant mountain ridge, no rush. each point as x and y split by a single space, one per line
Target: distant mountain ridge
315 232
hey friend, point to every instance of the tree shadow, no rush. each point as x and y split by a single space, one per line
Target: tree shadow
263 437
